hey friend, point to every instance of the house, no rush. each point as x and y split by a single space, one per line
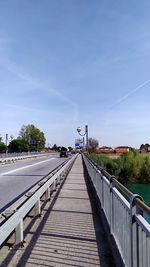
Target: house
145 149
105 149
122 149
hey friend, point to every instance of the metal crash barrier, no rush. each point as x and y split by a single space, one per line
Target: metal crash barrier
14 218
13 157
125 213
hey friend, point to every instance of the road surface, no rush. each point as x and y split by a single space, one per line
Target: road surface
17 177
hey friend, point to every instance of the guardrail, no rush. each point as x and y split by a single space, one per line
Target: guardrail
16 154
12 157
32 188
15 220
124 212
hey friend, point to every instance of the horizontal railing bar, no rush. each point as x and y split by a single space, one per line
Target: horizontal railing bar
105 179
120 186
143 224
126 215
10 224
124 202
140 204
29 188
15 154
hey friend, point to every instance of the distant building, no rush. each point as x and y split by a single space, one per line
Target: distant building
145 149
105 149
122 149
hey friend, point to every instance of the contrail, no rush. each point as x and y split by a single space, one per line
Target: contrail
122 99
17 70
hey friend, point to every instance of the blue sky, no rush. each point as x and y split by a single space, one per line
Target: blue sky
67 63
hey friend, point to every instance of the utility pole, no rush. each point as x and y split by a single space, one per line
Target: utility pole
6 143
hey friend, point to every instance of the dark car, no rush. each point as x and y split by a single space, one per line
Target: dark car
63 152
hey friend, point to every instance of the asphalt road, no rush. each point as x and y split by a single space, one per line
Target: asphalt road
15 178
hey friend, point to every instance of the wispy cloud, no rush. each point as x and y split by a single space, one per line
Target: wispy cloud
118 102
4 43
130 93
20 73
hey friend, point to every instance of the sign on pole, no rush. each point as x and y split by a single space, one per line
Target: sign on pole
79 143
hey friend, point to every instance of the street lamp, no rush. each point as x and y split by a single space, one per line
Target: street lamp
85 134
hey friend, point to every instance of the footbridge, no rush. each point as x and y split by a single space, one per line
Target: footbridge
78 215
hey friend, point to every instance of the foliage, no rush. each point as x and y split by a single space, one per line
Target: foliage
18 145
145 170
32 136
92 144
2 147
131 167
30 139
55 147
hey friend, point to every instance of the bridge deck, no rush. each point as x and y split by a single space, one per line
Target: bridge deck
70 232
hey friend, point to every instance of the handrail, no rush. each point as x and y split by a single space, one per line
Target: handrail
120 186
126 216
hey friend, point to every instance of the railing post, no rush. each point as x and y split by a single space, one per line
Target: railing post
54 185
99 181
111 206
102 191
58 180
19 232
47 194
132 213
38 208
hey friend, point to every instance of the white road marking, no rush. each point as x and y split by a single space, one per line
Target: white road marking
25 167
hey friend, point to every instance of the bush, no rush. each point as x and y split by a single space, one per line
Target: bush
131 167
2 147
145 171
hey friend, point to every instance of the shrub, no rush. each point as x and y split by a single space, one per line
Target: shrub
131 167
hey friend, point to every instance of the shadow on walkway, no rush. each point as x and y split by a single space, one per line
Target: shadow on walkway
70 233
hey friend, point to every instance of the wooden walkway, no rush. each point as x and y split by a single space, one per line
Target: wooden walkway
70 232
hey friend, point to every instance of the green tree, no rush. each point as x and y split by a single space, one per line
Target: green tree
54 147
129 168
92 144
144 176
2 147
33 137
18 145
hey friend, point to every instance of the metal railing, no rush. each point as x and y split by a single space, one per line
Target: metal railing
12 157
124 212
33 199
16 154
32 188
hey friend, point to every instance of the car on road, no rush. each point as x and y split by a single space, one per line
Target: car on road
63 152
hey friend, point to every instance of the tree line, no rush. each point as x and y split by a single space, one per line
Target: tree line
30 138
128 168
